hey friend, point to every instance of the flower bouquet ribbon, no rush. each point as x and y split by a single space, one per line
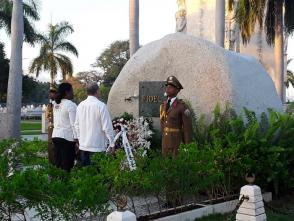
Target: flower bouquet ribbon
127 147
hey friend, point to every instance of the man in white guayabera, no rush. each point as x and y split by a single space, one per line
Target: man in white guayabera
93 126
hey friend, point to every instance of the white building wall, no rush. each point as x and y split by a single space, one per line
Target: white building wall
201 23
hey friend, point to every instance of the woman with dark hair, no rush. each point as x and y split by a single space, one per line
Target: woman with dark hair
64 135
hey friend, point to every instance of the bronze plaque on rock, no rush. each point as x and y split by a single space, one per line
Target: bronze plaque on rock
151 95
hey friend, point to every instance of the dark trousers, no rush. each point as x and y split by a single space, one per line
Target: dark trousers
85 157
64 153
51 157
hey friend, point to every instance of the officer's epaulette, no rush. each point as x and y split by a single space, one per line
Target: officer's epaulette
187 111
181 101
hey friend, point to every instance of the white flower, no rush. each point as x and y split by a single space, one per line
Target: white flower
138 133
10 154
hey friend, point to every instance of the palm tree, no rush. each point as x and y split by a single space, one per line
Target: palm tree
30 14
134 26
270 16
290 76
50 59
15 71
220 22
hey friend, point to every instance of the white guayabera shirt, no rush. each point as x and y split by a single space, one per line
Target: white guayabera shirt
93 125
64 115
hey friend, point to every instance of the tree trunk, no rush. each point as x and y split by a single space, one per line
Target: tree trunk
51 81
286 37
220 12
14 90
279 49
134 26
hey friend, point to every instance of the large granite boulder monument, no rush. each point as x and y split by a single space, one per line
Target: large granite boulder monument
209 74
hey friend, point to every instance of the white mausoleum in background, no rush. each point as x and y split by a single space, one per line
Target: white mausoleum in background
209 74
200 22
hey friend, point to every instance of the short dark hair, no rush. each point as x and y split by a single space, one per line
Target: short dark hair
92 88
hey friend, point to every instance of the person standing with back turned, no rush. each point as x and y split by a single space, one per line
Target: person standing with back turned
93 126
64 135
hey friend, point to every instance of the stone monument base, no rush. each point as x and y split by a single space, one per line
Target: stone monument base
209 74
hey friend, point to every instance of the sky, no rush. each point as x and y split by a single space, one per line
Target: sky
97 23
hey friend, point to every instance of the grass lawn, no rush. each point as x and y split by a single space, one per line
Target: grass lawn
31 127
35 132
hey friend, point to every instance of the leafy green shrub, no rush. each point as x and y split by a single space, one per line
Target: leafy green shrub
290 108
245 144
29 182
223 152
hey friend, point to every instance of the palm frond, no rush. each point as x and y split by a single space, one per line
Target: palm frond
65 65
36 66
49 59
41 62
42 39
290 74
231 4
31 10
5 15
289 16
30 14
270 22
62 30
67 47
249 13
259 11
5 21
290 78
245 20
29 32
35 4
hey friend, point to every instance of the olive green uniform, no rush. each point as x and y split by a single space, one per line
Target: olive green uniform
49 116
176 125
176 122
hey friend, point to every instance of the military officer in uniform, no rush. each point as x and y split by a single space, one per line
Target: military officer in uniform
175 119
49 116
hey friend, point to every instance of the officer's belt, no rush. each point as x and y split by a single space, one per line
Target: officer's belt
169 130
